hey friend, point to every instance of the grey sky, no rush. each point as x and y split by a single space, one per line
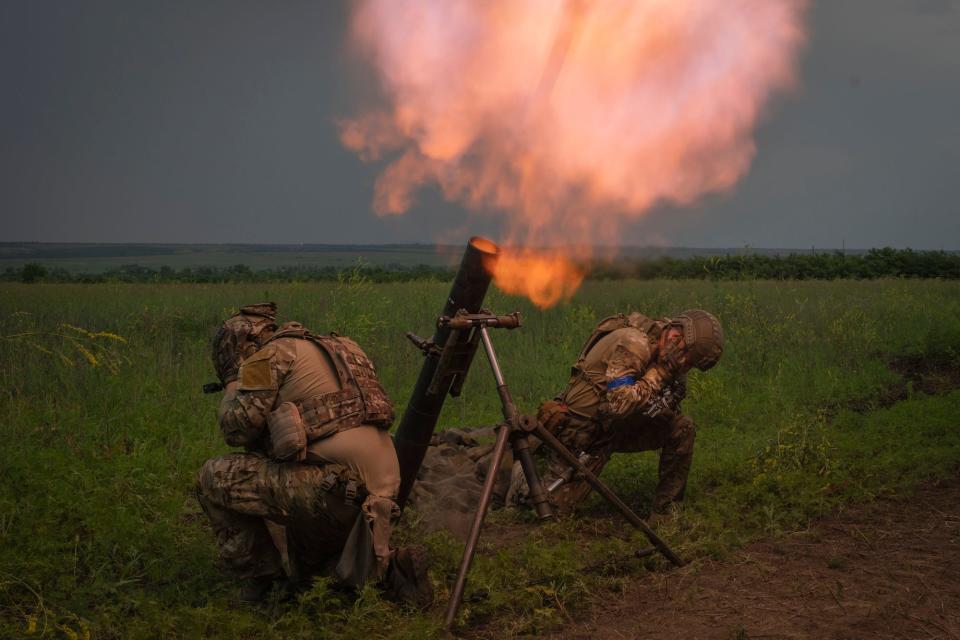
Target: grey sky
204 121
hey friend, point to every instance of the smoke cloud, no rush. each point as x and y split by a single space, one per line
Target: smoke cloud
568 118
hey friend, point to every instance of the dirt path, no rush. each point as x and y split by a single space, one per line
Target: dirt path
890 569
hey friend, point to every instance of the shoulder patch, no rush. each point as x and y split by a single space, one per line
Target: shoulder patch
257 372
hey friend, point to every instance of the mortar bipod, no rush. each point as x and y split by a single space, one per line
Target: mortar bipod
515 429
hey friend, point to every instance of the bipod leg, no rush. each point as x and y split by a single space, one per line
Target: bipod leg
503 434
519 429
521 451
551 441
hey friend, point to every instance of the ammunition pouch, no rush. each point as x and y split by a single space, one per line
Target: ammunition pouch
331 413
288 436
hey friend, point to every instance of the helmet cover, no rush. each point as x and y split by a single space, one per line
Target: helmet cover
240 336
702 335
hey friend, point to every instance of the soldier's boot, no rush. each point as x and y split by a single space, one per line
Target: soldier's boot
655 518
225 487
672 484
406 580
255 590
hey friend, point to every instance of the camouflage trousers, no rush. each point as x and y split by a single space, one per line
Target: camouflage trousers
240 492
672 434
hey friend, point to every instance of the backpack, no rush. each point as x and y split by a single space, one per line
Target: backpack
610 324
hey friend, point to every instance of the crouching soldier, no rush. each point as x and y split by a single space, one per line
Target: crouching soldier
624 396
319 475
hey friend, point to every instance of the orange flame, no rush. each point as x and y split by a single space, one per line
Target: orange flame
544 277
544 110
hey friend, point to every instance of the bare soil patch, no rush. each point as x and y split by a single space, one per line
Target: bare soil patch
888 569
918 375
926 377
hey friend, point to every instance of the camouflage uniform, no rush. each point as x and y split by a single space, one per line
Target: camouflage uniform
337 490
617 400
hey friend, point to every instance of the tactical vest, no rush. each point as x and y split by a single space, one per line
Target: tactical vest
361 398
604 328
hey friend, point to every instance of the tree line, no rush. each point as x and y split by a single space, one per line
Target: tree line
875 263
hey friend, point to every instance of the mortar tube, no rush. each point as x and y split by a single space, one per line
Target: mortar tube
423 410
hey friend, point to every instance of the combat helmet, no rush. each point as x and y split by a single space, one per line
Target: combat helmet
702 335
240 336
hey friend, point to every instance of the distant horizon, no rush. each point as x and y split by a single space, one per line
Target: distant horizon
334 245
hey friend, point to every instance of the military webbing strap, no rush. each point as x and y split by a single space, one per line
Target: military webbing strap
300 332
354 491
604 327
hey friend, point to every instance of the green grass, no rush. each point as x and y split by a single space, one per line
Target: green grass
100 534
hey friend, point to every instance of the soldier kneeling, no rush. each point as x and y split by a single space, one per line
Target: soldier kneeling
319 476
624 395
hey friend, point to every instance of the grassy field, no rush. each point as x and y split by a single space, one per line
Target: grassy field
104 429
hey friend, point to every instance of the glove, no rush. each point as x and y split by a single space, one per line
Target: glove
551 415
671 358
229 367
